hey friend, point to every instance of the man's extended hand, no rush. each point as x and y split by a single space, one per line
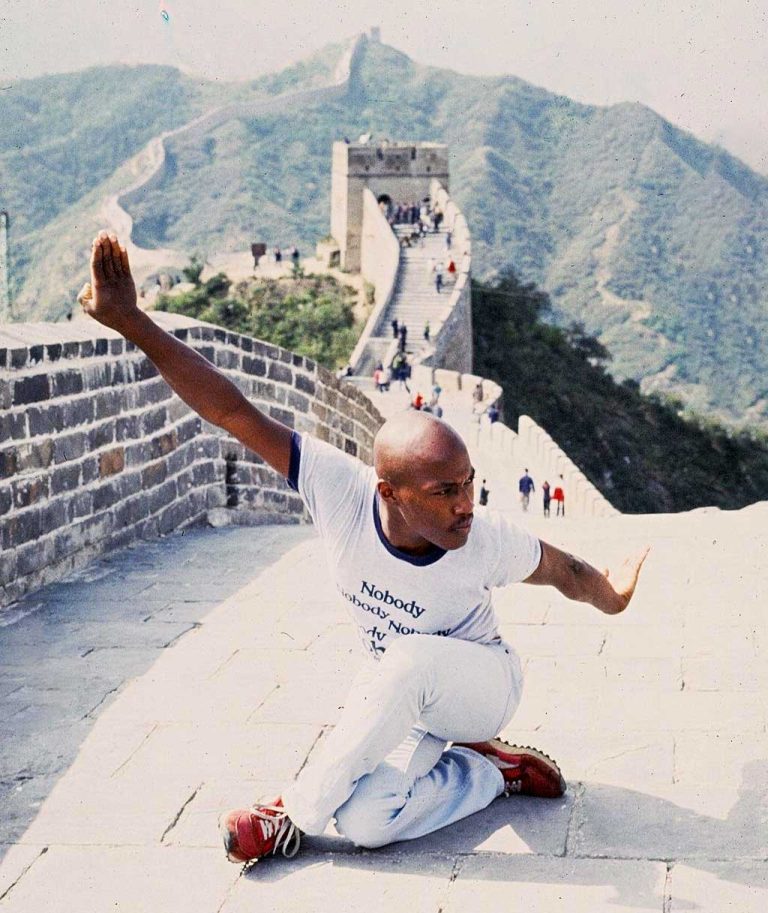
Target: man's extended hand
608 591
110 296
623 582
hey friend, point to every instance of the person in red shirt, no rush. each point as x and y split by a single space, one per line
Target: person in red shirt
559 496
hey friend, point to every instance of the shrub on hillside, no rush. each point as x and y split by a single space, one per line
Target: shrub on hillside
310 315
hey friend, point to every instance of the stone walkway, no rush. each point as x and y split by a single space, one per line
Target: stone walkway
177 678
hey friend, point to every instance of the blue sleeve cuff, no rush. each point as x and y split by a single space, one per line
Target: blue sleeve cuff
295 461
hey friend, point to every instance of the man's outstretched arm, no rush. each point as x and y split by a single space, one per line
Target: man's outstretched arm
577 580
110 298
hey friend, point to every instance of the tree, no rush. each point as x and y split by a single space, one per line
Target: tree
193 270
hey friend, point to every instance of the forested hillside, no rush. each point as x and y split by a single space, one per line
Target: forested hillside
638 450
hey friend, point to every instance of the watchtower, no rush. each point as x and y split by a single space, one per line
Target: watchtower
401 171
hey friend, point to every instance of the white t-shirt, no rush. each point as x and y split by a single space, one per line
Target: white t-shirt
392 594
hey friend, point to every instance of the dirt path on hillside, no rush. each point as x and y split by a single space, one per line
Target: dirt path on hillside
603 254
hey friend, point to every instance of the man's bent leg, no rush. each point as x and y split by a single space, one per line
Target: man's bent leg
417 789
458 691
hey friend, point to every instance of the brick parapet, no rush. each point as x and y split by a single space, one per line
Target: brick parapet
96 450
452 346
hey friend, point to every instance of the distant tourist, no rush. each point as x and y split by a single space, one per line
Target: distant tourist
438 278
395 328
418 401
559 496
378 377
278 254
401 370
478 394
403 336
545 493
484 492
493 413
426 331
525 486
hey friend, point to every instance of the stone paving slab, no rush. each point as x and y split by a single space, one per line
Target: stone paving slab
718 759
678 822
555 885
625 758
142 878
345 884
719 887
16 860
133 810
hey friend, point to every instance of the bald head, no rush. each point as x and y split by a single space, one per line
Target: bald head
413 440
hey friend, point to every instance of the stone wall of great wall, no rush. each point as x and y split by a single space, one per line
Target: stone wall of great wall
151 163
453 343
96 451
380 257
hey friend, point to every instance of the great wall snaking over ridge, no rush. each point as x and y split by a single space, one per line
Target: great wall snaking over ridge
96 451
150 164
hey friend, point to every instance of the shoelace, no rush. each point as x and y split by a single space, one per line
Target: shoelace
278 824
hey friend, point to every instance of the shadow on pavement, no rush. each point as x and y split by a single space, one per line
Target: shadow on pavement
604 823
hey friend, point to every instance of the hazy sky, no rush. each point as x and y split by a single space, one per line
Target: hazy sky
702 65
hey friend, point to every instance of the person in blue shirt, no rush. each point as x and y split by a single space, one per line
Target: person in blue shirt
526 486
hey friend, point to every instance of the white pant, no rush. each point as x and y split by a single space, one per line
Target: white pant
384 772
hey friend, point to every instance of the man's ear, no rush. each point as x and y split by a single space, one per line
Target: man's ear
385 490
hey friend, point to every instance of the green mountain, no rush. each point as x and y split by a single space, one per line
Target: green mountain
652 239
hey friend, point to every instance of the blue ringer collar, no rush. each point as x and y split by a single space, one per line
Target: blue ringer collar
434 554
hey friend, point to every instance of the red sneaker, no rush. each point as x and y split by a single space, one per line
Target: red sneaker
251 833
526 771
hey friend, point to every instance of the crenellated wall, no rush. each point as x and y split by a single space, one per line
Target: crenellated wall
96 451
452 344
530 446
379 256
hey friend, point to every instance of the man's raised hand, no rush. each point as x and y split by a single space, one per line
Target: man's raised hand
110 296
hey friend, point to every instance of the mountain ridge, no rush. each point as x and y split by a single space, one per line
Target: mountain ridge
648 236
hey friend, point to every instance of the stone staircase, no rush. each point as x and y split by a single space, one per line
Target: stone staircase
414 300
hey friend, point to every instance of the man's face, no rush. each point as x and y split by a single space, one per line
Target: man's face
437 500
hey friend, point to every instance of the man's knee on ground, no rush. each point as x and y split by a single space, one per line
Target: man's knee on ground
365 821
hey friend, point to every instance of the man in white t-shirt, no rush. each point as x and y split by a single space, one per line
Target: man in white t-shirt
416 747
